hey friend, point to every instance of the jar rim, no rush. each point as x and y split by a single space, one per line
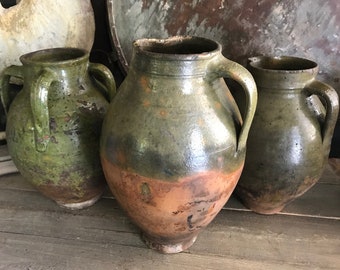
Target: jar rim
55 56
284 63
177 47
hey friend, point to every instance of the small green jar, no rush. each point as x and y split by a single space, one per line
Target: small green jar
289 141
54 123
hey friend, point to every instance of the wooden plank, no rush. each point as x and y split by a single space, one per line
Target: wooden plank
322 200
7 167
282 239
32 252
15 182
3 150
34 228
6 164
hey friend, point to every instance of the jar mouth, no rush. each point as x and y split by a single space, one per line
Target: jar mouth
54 56
282 63
177 46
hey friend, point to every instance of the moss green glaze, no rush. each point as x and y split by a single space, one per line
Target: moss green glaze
172 125
54 123
289 140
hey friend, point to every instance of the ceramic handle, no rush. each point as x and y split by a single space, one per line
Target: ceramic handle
330 97
104 77
11 71
222 67
39 107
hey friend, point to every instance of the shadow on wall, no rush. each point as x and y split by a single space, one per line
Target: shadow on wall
8 3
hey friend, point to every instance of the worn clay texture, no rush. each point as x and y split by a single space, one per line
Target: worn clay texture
33 24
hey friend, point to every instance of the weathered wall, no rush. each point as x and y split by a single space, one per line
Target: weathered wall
305 28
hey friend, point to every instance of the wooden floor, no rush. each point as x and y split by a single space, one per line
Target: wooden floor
37 234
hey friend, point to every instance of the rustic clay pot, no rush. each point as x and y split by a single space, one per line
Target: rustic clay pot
54 123
290 138
172 146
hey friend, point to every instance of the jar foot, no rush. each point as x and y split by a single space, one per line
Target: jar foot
80 205
264 208
170 248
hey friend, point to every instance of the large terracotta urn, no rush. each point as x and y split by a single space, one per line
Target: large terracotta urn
173 145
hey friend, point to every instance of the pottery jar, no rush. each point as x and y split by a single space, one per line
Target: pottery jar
54 123
290 138
173 145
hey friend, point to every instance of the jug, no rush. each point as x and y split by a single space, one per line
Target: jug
173 144
54 123
290 137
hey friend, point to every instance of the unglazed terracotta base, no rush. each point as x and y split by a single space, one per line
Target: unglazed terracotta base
80 205
168 248
262 209
171 213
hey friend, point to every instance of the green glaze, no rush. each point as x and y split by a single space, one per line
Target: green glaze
289 140
173 142
173 115
54 123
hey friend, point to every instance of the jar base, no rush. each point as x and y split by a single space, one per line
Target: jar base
265 211
259 205
170 248
80 205
262 208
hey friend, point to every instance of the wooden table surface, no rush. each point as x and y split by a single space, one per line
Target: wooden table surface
35 233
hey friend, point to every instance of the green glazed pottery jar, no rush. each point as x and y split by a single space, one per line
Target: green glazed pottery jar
290 137
54 123
173 145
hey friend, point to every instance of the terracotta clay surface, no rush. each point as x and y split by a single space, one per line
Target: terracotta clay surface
169 212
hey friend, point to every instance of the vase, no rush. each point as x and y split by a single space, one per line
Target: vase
290 137
173 144
54 122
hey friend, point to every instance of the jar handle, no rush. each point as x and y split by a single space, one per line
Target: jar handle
8 72
104 78
223 67
39 107
331 99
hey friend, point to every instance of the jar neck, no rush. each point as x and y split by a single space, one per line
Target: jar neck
169 67
65 77
65 63
175 56
282 72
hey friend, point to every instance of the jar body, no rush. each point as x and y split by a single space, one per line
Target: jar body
289 141
169 151
67 169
